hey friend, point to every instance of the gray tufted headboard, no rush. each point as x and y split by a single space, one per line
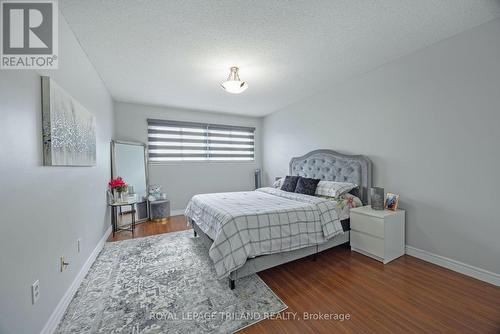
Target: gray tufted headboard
333 166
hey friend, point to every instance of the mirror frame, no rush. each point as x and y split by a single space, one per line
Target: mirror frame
113 159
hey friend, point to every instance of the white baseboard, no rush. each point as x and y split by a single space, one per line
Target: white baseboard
177 212
58 313
460 267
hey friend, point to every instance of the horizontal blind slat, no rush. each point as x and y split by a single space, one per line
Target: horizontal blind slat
211 149
217 135
231 155
160 159
154 139
177 136
231 158
230 133
179 152
198 136
174 132
153 155
176 145
196 140
159 122
159 144
230 127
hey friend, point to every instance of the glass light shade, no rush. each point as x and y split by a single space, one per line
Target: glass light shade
234 84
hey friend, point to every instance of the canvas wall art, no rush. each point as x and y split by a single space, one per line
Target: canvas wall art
68 129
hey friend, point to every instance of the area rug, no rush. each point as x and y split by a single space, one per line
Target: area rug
164 284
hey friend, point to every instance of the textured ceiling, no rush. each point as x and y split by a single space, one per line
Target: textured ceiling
176 53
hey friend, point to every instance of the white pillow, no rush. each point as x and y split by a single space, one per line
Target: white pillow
278 183
334 189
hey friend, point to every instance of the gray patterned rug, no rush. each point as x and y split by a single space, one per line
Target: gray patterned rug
164 284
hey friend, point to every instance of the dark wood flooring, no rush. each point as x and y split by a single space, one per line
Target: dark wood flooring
173 224
407 295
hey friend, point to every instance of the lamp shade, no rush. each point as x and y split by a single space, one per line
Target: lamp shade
234 84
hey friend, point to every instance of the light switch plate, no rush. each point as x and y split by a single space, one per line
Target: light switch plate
35 292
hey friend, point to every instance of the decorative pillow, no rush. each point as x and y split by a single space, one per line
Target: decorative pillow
278 183
334 189
346 199
306 186
290 183
344 204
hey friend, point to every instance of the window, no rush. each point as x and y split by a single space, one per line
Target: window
187 141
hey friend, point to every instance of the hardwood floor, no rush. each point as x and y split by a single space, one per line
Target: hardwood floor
405 296
175 223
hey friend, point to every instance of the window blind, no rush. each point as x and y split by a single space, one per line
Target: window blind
188 141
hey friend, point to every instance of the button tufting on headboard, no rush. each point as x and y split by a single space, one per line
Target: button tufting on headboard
333 166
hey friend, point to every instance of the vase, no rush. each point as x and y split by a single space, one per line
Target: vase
123 197
377 198
116 196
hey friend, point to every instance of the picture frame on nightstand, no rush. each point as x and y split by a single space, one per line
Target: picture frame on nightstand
391 201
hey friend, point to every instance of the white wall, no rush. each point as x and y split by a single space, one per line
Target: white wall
430 124
183 180
44 210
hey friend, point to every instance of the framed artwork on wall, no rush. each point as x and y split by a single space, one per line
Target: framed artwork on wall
68 129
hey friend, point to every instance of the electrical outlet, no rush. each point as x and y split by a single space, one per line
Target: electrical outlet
79 245
35 292
64 264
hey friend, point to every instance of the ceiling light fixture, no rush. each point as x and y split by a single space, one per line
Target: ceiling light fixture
233 84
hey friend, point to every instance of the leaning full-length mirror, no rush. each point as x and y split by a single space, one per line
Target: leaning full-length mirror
129 161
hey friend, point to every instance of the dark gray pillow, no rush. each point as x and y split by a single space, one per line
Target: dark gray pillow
306 186
290 183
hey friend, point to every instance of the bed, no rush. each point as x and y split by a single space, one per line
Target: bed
247 232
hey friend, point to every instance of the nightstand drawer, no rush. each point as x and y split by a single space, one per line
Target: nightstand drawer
367 243
367 224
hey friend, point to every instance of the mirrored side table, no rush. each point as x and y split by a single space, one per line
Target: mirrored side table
117 207
159 210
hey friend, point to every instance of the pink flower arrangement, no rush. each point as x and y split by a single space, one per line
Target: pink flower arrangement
118 184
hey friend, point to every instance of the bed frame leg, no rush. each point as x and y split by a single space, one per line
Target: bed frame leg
232 284
195 234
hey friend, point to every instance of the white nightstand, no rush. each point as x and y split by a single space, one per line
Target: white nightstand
378 234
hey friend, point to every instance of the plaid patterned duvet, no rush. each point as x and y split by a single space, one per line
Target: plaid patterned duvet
248 224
